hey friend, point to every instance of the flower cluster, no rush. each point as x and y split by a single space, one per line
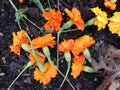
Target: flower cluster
75 50
76 47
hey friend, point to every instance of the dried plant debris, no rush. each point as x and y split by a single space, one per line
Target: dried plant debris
112 82
110 62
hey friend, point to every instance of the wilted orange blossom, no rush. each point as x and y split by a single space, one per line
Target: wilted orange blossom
109 4
32 59
45 77
19 38
21 1
77 66
75 16
54 19
66 45
82 43
47 40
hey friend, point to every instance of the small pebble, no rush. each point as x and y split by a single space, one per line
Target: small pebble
2 74
1 34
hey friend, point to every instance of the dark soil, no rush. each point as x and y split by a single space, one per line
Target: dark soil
11 64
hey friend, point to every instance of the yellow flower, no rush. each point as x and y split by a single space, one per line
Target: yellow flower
75 16
45 77
77 66
101 18
19 38
66 45
82 43
55 19
114 24
47 40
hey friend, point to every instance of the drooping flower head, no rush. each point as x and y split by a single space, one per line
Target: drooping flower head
21 1
75 16
101 18
47 40
82 43
55 19
66 45
45 77
110 4
114 24
77 66
32 59
19 38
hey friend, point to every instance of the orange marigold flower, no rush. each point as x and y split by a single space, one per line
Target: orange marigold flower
47 40
75 16
19 38
82 43
32 59
114 24
21 1
55 19
77 66
45 77
110 4
66 45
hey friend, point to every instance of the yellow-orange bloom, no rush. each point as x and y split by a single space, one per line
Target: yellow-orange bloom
47 40
55 19
82 43
21 1
114 24
66 45
110 4
45 77
19 38
77 66
32 59
101 18
75 16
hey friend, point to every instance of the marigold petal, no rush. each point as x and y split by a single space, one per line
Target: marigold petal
15 49
82 43
32 59
45 77
66 45
75 16
55 19
47 40
101 18
114 24
109 4
76 70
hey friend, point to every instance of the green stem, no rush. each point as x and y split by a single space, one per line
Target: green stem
32 23
68 69
47 54
40 65
13 5
25 67
69 30
38 3
90 22
65 26
16 10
